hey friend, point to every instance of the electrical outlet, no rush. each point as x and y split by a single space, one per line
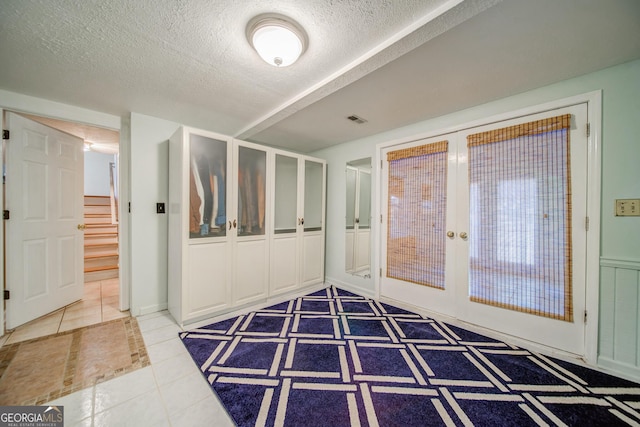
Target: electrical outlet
160 208
627 207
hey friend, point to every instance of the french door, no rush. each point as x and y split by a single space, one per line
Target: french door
502 243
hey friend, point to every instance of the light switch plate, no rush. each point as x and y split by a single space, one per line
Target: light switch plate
627 207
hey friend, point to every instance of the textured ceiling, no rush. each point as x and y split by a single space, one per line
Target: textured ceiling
392 62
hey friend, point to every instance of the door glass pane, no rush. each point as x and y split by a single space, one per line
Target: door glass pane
312 196
364 211
520 234
252 166
417 206
207 187
286 198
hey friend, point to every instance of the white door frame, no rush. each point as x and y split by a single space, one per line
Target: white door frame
592 273
45 108
2 230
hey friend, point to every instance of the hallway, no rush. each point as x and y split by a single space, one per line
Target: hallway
99 304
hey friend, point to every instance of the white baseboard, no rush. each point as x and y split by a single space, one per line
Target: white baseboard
615 367
254 306
149 309
369 293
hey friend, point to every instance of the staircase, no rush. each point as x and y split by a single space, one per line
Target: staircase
100 239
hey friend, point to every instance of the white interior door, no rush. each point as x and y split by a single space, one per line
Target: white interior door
533 251
418 199
44 195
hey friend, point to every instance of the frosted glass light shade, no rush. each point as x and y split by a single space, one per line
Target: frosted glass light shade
278 40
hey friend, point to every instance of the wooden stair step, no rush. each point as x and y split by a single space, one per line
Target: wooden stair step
101 228
104 261
97 200
92 276
97 209
100 268
100 254
98 220
100 239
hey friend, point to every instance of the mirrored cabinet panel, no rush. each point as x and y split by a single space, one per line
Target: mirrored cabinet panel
313 195
358 217
207 187
252 175
286 194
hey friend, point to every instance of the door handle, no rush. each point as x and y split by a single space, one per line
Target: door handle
463 235
234 223
229 224
82 227
451 234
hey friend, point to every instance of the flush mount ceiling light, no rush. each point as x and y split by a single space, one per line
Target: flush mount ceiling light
278 40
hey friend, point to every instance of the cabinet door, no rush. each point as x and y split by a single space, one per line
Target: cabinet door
251 252
285 244
209 256
313 222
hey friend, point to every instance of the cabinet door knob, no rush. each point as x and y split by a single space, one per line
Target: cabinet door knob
81 226
463 235
451 234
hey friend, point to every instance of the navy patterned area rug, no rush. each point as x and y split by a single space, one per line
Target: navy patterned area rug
333 358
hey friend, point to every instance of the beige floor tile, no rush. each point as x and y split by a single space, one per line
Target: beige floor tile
94 292
102 350
109 313
100 303
110 289
79 322
84 304
46 325
111 302
114 280
17 382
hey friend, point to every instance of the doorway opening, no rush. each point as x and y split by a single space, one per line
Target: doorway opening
99 299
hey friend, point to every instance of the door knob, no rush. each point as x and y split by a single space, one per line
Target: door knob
450 234
81 226
463 235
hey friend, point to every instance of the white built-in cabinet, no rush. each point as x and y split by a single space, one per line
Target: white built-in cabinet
223 223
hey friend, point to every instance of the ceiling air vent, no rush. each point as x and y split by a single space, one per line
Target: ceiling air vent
356 119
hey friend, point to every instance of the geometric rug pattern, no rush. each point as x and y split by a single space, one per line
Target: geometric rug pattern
333 358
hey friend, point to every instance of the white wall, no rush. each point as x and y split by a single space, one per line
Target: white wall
149 175
96 173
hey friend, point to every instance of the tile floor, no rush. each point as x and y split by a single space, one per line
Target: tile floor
99 304
170 392
42 369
